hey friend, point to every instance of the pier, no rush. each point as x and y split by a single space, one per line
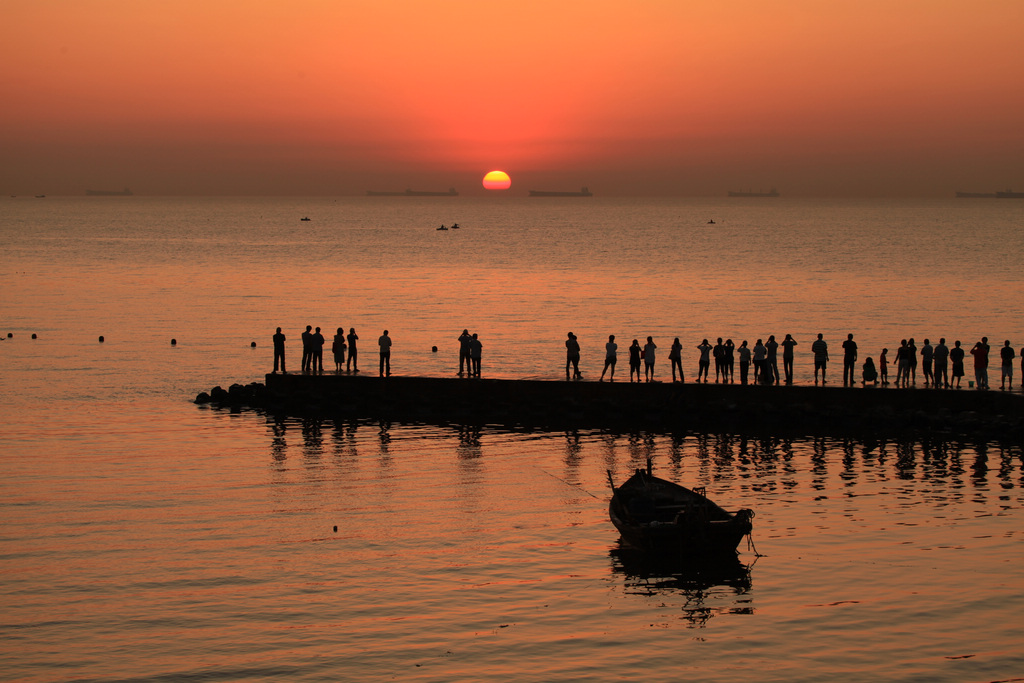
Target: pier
656 406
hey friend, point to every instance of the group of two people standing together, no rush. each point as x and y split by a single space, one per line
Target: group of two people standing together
470 350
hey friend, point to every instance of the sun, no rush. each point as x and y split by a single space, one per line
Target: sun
497 180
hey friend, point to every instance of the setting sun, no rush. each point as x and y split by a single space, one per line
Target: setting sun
497 180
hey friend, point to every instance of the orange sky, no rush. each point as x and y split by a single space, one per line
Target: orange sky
664 97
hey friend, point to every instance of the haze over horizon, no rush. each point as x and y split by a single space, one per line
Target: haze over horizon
660 98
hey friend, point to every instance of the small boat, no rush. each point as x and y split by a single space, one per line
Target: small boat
659 515
304 218
442 228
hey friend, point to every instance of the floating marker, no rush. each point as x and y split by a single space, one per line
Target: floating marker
101 338
174 342
253 345
33 335
434 349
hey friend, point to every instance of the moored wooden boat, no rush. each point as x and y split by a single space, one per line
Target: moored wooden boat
659 515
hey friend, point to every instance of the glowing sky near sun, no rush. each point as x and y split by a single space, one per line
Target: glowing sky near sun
322 96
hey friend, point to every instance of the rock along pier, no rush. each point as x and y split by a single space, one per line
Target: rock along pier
623 406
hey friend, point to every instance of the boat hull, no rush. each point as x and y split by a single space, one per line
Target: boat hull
658 515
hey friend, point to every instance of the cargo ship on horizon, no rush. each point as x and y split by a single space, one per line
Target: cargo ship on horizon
584 192
109 193
413 193
772 193
1006 194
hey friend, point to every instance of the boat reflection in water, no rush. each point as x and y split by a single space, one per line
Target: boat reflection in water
709 587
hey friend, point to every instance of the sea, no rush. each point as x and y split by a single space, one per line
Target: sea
147 538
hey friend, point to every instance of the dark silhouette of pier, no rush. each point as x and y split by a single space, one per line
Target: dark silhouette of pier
547 404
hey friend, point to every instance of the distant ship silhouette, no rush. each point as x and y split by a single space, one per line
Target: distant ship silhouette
1006 194
584 192
109 193
772 193
413 193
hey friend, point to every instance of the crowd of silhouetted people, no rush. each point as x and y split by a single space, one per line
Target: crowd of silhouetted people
940 365
344 348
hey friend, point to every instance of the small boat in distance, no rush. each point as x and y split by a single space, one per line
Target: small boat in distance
413 193
584 192
749 193
659 515
109 193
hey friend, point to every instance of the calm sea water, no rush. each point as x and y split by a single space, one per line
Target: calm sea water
145 538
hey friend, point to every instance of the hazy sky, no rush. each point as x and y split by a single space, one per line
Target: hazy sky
677 97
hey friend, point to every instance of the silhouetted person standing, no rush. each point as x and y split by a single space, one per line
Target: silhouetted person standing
634 360
675 357
610 357
956 357
475 352
719 353
940 374
572 356
317 342
927 356
849 360
705 360
352 363
650 349
902 363
1007 355
820 350
338 347
773 357
883 366
279 350
307 348
759 357
787 357
729 360
744 353
385 354
912 358
464 360
980 353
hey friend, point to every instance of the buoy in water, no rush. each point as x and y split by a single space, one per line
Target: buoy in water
174 342
101 338
253 345
433 349
33 335
335 528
